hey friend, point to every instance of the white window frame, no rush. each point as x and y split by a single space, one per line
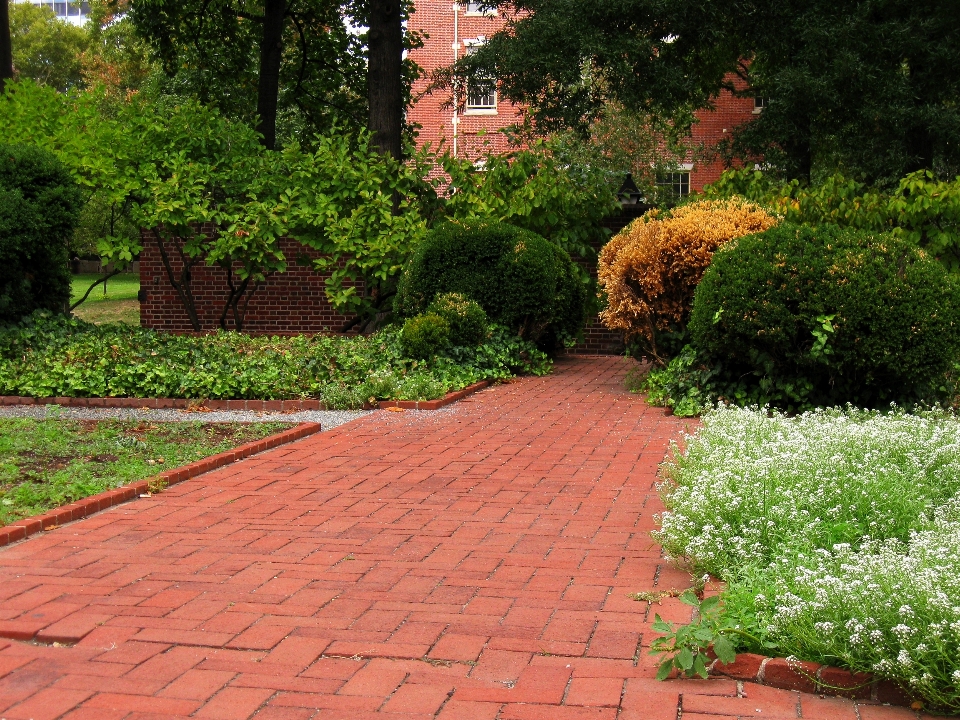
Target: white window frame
470 9
676 178
478 109
759 103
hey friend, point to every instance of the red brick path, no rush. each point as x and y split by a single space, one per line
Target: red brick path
473 563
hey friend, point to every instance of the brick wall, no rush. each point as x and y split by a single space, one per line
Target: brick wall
291 302
477 134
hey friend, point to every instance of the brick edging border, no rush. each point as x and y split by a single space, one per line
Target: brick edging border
254 405
95 503
447 399
809 677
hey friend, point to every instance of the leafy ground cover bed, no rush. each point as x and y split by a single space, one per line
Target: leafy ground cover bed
837 534
58 357
47 463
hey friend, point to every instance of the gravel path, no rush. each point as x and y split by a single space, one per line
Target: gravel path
328 419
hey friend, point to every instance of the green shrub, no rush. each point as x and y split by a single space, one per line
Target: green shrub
48 356
803 317
467 320
520 279
425 335
39 207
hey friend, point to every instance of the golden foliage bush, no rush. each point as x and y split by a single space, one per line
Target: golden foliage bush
650 270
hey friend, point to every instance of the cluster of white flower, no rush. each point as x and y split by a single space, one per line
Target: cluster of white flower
839 529
750 482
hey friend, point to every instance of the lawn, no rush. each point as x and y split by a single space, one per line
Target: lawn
837 533
47 463
114 301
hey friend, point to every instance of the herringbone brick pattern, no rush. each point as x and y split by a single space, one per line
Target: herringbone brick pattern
473 563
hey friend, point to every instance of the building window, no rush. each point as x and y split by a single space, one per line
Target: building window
481 93
476 8
759 103
676 184
75 12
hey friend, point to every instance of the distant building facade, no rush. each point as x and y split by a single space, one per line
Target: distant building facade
472 127
72 12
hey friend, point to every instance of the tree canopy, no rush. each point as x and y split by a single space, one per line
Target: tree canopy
870 88
45 48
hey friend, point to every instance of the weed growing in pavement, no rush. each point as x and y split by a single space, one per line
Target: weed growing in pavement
837 533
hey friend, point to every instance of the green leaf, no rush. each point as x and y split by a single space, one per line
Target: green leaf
685 658
664 670
699 667
724 650
688 597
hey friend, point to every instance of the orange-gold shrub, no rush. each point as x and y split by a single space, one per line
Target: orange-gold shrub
650 270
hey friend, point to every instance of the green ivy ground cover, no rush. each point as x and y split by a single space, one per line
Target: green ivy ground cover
57 357
47 463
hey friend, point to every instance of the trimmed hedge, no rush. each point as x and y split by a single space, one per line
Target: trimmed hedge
39 209
520 279
803 317
467 320
650 270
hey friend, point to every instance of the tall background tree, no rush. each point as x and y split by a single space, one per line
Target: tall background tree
868 88
298 66
45 48
6 51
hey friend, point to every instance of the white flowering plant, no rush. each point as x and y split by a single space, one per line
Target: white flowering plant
837 533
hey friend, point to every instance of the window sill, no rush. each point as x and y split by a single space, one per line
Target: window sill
481 111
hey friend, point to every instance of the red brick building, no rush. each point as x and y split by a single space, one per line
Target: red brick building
472 126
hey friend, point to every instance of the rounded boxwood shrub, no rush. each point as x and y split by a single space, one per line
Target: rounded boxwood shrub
520 279
467 320
650 270
802 317
39 208
424 336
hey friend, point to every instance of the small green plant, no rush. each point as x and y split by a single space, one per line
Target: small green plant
425 335
683 385
685 647
467 320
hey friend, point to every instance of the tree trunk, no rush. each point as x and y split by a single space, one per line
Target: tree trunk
384 81
6 46
271 54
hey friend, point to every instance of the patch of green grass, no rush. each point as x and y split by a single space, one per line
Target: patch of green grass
115 303
47 463
124 286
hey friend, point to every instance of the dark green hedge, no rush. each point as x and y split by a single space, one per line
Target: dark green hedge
803 317
520 279
39 208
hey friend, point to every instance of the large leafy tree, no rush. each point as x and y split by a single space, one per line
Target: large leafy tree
299 66
6 50
45 48
568 59
870 87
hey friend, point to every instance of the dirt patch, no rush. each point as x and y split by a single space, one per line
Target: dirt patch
105 458
35 462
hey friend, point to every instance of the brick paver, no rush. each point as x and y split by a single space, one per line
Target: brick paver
469 564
